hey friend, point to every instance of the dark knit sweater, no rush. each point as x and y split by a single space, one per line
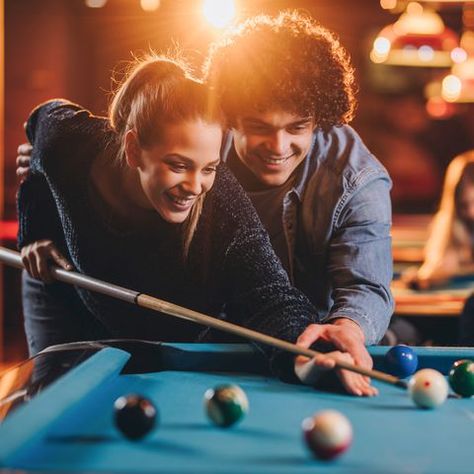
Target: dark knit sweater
231 268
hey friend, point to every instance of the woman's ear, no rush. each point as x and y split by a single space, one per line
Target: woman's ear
132 149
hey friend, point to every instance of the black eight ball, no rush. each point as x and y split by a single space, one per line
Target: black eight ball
135 416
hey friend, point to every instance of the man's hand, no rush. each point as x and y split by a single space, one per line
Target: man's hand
348 340
23 161
37 257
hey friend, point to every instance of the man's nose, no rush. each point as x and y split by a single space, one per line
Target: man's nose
279 143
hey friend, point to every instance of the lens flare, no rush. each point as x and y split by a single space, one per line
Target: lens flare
219 13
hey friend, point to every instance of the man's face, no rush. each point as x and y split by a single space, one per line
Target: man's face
272 144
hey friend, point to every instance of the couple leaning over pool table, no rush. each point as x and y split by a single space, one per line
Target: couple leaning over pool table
141 199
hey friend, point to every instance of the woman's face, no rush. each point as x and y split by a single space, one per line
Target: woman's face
466 205
175 172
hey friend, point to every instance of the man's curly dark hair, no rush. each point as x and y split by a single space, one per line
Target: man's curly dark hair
288 62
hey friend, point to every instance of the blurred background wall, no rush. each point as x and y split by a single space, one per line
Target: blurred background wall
65 48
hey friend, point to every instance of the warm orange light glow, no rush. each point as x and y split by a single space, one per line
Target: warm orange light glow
388 4
95 3
437 108
419 21
219 13
150 5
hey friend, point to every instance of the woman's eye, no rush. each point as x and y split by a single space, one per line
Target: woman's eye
210 170
178 166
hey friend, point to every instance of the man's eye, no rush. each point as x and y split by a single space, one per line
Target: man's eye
297 129
258 130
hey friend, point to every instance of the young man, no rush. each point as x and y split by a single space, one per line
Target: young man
287 88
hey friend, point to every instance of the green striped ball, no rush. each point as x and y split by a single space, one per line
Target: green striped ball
226 404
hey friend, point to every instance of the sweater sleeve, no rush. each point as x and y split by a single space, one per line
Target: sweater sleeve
37 213
52 128
260 295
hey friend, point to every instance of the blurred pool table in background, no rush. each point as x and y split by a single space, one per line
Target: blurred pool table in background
68 427
409 234
447 300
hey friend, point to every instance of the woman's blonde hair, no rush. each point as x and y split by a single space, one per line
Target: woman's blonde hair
447 229
158 91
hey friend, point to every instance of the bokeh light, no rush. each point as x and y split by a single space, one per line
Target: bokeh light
219 13
150 5
458 55
95 3
451 88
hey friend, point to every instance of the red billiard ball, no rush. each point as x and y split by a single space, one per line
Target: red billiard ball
428 388
327 434
135 416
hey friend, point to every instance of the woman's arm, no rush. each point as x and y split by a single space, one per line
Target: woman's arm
39 220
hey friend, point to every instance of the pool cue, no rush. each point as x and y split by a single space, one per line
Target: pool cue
13 258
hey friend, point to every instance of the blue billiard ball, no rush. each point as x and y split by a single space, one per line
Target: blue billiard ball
401 361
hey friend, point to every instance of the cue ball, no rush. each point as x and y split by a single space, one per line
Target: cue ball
401 361
226 404
461 377
428 388
327 434
135 416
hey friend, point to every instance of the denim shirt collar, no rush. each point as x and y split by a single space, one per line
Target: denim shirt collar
304 171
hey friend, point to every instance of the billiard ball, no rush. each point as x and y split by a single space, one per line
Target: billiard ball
401 361
461 377
135 416
327 434
226 404
428 388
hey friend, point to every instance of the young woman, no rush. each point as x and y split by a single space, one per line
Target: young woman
450 246
131 200
140 200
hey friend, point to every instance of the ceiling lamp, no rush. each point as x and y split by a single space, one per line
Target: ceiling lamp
400 4
418 38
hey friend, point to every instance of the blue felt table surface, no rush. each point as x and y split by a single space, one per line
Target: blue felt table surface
391 435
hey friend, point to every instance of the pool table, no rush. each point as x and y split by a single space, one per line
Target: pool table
445 301
68 426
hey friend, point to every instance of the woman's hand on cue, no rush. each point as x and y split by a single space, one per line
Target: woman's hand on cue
38 256
23 161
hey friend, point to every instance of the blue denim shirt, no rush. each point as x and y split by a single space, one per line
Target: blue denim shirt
337 220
